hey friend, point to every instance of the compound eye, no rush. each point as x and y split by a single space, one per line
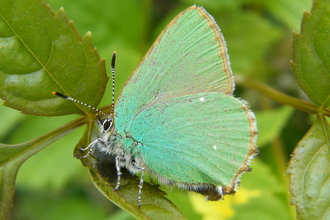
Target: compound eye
107 124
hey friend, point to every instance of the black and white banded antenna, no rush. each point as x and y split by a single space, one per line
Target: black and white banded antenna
79 102
113 62
107 121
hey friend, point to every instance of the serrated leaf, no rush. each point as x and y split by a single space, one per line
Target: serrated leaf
311 54
309 169
41 52
12 157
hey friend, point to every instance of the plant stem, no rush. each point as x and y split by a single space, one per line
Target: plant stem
281 97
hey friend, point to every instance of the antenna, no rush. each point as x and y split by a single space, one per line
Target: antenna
113 62
79 102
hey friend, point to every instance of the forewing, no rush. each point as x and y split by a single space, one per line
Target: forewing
188 57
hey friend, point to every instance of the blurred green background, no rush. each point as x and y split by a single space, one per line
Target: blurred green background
54 185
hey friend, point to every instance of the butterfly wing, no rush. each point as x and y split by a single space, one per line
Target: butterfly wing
178 105
188 57
204 138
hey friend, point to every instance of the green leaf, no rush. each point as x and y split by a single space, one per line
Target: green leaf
311 54
12 157
309 169
41 52
271 123
153 205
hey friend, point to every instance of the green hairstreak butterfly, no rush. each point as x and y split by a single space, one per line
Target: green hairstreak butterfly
176 117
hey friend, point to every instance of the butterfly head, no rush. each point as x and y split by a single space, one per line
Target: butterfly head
104 124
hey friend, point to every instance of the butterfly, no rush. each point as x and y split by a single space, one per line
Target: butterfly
176 117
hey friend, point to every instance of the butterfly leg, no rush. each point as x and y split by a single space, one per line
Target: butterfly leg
119 173
141 181
90 147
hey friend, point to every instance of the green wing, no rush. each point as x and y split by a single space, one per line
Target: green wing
195 139
188 57
178 105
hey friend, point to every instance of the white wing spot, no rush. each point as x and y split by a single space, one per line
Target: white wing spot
202 99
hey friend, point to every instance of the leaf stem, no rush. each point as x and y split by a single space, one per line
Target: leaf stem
281 97
19 154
